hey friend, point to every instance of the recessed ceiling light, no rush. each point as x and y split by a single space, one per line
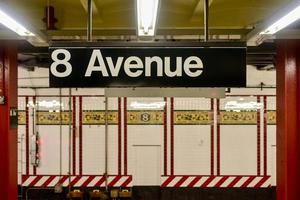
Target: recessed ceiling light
147 16
283 22
13 25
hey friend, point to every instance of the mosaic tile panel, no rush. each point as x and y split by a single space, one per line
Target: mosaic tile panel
140 117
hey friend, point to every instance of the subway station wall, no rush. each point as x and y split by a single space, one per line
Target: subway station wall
170 142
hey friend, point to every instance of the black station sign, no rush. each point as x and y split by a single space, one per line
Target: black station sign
147 66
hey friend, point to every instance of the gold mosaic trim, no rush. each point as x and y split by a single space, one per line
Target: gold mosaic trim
193 117
98 117
21 117
271 117
151 118
238 117
46 118
53 118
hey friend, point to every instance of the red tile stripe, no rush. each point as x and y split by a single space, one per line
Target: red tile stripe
208 181
262 181
48 181
165 138
75 180
34 167
181 181
74 136
114 181
265 136
169 179
35 180
124 181
172 136
194 181
234 181
125 135
218 138
102 179
80 136
258 138
248 181
212 153
27 135
128 180
221 181
87 181
62 179
119 137
24 178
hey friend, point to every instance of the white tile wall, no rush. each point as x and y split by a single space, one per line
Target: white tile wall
192 150
191 142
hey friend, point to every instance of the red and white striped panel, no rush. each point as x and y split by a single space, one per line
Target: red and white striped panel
216 181
76 181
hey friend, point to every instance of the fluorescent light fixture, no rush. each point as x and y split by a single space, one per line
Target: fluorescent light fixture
147 15
14 25
238 106
286 20
153 105
46 104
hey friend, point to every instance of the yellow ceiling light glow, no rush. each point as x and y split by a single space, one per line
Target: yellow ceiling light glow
283 22
147 15
14 25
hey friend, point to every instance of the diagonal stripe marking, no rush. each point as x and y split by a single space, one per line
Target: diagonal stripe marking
220 182
166 183
46 183
114 181
62 180
181 181
99 183
210 179
194 181
234 181
37 178
87 181
125 184
24 178
75 180
248 181
262 181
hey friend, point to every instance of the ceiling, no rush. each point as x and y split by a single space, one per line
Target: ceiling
117 17
232 20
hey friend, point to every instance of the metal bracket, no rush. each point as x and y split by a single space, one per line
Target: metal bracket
2 100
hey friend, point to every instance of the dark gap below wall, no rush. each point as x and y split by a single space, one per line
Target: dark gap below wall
157 193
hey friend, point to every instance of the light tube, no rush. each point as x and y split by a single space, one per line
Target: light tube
153 105
14 25
147 15
283 22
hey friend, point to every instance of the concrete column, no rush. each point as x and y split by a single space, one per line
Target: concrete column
8 120
288 119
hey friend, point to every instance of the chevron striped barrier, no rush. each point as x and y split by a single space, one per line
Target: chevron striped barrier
76 181
217 181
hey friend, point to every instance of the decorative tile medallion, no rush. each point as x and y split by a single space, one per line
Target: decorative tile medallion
145 117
